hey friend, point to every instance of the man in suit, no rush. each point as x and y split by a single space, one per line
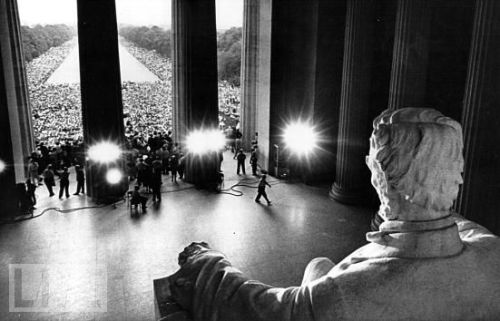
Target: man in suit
64 183
80 180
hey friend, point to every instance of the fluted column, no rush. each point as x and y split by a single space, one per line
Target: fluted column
478 199
249 58
195 89
16 88
102 107
16 138
410 54
7 175
180 72
352 177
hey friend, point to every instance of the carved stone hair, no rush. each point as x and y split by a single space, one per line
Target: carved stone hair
420 152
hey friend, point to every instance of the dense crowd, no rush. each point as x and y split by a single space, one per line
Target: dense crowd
229 105
56 112
229 95
40 69
158 65
147 106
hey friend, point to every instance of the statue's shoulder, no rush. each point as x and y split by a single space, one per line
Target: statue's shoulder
470 230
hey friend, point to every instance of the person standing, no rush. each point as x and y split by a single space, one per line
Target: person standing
156 182
182 166
142 169
157 165
174 165
262 190
253 162
164 155
48 178
240 157
33 170
64 183
80 180
238 136
30 192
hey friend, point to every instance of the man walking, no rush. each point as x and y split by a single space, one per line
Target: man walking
262 190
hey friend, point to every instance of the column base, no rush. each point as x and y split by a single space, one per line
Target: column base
350 197
203 170
99 189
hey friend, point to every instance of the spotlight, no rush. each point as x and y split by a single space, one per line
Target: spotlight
104 152
2 166
204 141
300 138
114 176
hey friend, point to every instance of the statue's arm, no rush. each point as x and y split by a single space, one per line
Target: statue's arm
220 292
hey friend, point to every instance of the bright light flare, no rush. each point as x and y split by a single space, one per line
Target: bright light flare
114 176
104 152
300 138
2 166
205 141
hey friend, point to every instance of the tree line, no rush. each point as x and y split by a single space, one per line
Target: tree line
229 55
154 38
38 39
158 39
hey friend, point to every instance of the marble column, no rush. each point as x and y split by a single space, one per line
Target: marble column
16 86
410 54
249 67
478 199
16 138
195 85
352 177
263 83
298 79
102 107
7 174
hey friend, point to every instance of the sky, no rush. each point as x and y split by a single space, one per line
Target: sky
137 12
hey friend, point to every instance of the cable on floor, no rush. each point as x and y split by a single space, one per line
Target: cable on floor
27 217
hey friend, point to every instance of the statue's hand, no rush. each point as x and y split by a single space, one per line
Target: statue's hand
191 250
183 281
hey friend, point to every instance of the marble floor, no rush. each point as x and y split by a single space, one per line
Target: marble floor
99 263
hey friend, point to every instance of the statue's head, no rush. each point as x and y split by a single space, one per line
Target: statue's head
416 163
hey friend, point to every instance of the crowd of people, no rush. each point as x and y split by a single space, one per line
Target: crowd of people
39 70
57 122
229 105
149 158
56 108
229 95
56 112
145 107
158 65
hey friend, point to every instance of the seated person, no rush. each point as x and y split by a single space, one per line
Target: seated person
137 198
424 263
